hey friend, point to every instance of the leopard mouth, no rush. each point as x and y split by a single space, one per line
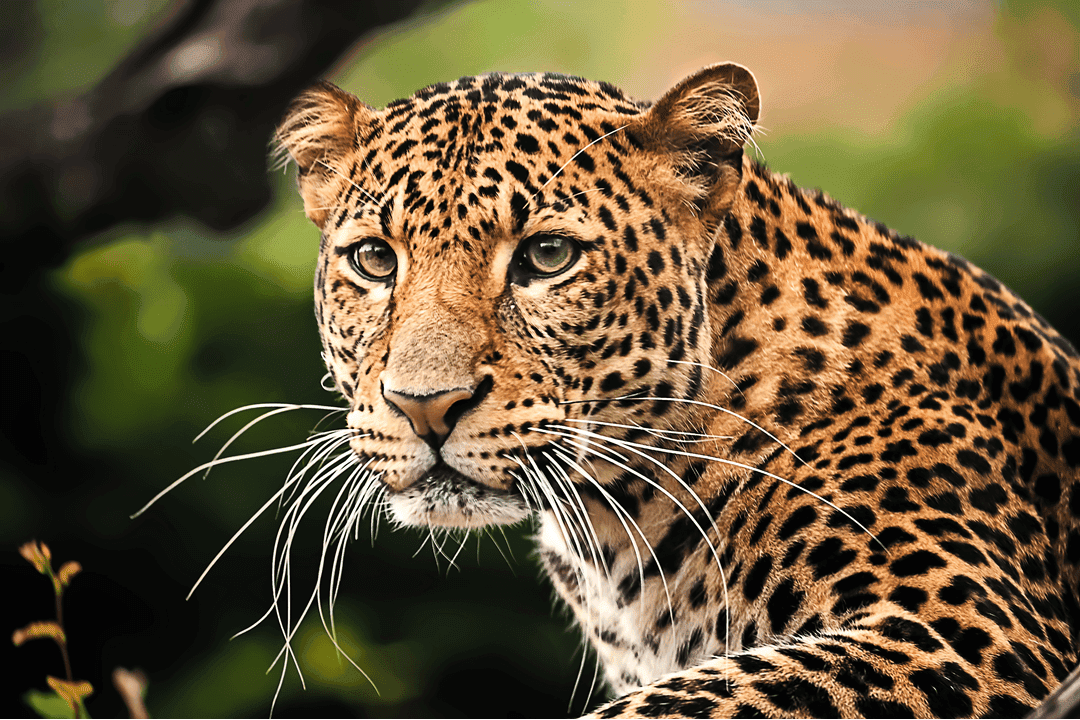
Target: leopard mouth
447 498
442 474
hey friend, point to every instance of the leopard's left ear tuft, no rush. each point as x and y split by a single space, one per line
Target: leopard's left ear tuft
701 125
319 133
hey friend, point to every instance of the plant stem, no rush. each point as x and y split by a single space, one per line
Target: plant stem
60 622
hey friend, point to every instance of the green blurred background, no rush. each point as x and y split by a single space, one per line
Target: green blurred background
957 123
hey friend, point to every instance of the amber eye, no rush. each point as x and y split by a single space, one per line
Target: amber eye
548 254
374 259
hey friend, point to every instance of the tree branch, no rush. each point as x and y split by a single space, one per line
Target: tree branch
180 126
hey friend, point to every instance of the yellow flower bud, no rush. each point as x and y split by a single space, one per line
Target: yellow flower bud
72 692
67 571
38 555
35 630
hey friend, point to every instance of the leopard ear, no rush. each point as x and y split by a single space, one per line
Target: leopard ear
320 133
701 125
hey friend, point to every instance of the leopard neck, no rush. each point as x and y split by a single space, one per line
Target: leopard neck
790 321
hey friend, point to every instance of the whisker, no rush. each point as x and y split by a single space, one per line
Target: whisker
284 586
213 463
322 478
561 518
724 410
349 180
234 538
574 157
657 432
331 440
326 417
440 537
293 517
595 680
290 480
379 509
685 453
635 395
464 539
712 521
328 532
423 543
582 513
577 678
277 692
574 541
337 528
495 542
592 542
260 406
620 513
353 514
703 366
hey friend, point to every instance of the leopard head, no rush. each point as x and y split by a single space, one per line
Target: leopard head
510 264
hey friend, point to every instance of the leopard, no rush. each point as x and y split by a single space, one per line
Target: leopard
781 460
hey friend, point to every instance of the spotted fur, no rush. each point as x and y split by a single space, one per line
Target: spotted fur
785 461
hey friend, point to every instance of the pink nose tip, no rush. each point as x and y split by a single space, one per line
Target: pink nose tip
430 414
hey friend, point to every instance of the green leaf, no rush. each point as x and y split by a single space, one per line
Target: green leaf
48 704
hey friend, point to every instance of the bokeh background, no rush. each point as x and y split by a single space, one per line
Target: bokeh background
957 122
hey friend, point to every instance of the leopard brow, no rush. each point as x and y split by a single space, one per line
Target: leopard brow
572 158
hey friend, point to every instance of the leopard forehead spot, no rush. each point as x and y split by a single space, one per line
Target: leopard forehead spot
806 464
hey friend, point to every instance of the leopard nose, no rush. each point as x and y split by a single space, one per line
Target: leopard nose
432 416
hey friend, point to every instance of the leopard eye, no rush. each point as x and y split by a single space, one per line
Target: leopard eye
548 255
374 259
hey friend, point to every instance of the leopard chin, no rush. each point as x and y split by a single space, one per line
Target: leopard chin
446 498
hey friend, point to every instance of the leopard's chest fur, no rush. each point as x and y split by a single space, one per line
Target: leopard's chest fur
635 639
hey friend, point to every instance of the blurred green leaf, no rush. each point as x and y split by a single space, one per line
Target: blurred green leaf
48 704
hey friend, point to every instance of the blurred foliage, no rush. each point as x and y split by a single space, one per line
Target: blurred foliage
68 45
170 327
48 704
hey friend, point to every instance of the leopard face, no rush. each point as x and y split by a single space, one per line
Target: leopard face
785 461
481 285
